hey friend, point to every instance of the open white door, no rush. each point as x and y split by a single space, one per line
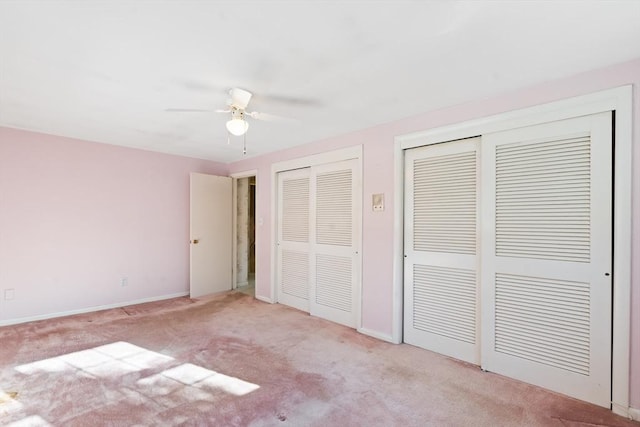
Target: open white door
211 234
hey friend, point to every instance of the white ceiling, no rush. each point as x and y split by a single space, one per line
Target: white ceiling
106 71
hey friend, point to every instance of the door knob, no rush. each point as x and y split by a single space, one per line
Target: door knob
195 241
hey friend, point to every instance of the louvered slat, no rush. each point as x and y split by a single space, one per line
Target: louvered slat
444 207
543 190
334 204
445 301
295 210
334 281
295 273
544 320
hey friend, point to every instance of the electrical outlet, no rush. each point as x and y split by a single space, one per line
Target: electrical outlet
9 294
124 281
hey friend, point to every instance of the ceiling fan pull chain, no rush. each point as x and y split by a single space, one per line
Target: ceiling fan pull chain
244 147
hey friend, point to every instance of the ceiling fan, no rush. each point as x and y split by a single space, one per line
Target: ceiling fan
237 105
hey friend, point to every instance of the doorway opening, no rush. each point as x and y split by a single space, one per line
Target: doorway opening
245 234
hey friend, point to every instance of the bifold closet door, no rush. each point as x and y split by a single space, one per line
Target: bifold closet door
293 245
440 268
335 235
319 211
546 255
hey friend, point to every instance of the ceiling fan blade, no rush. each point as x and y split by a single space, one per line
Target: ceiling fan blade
269 117
239 98
288 100
187 110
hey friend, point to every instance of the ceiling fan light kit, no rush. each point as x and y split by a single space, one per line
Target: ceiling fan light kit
237 126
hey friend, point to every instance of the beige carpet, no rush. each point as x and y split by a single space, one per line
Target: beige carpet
234 361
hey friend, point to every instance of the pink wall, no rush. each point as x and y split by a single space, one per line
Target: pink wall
75 217
378 176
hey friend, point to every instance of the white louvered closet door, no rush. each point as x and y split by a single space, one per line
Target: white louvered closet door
441 249
335 208
293 245
546 255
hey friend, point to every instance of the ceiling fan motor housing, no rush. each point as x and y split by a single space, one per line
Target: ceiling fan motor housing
237 113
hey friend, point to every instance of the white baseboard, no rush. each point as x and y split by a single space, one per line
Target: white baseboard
378 335
624 411
264 299
89 309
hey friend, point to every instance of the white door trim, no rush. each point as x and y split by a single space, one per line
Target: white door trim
348 153
244 174
617 99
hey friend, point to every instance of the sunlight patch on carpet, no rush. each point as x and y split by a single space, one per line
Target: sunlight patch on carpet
30 421
182 383
115 359
200 377
159 385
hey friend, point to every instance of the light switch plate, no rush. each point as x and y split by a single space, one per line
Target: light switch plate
377 202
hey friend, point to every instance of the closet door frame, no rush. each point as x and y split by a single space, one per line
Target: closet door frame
349 153
619 100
